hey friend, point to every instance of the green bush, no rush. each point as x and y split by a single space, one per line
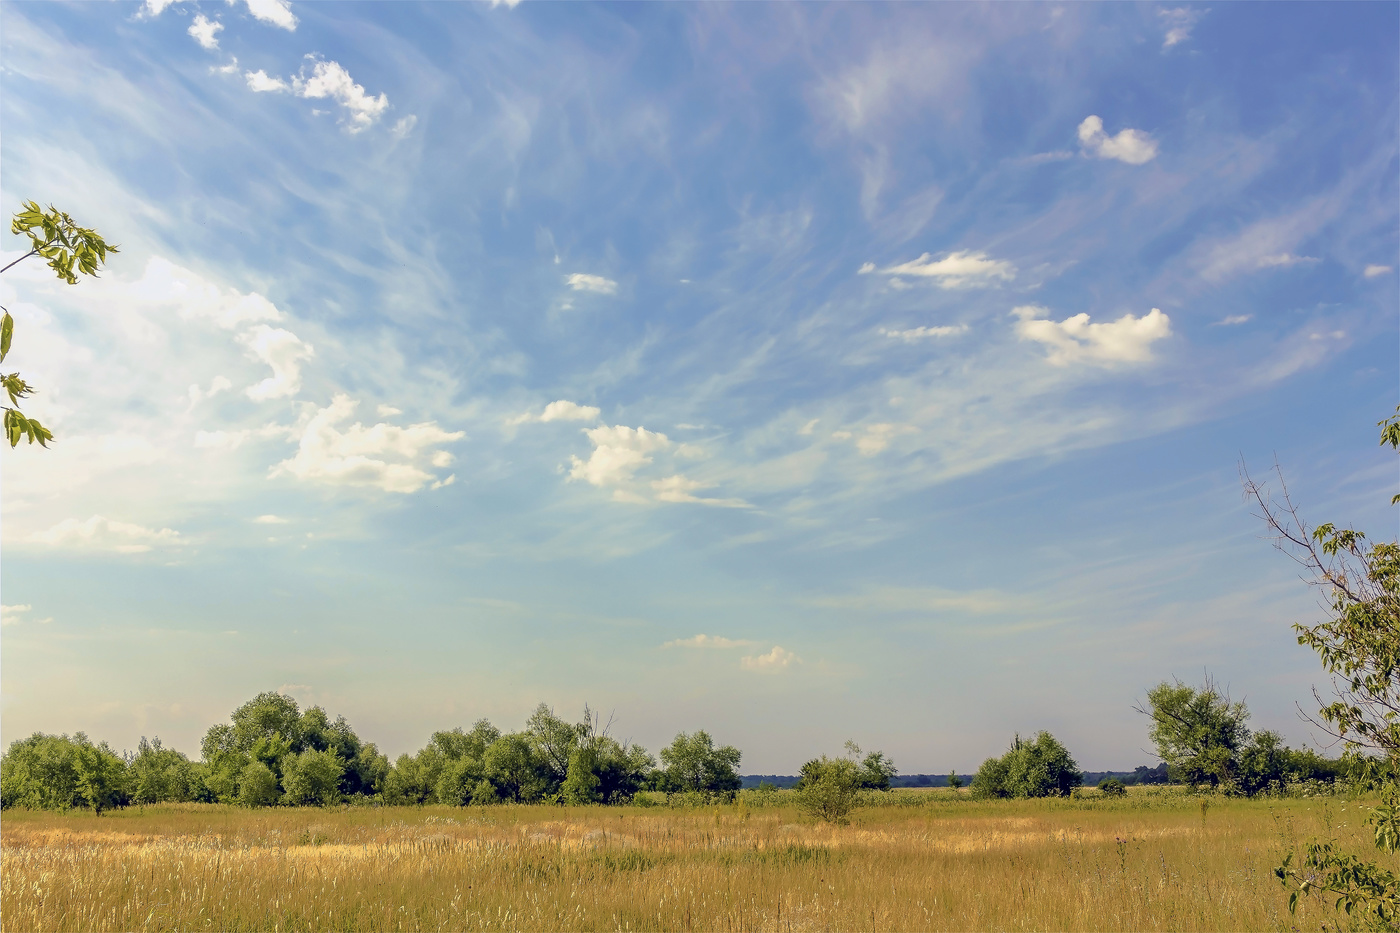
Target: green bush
1041 767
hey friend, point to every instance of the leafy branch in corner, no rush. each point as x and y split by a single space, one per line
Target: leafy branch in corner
54 236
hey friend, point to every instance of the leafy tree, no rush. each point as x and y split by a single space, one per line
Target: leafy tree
692 763
954 781
54 236
159 774
1360 649
100 776
256 786
554 741
875 771
828 788
1041 767
40 773
312 778
513 770
1198 733
1112 787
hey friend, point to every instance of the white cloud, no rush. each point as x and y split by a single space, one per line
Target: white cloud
216 385
560 410
205 31
13 615
269 520
1373 271
1179 23
382 456
876 437
163 282
155 7
583 282
1284 259
866 268
679 488
404 126
330 80
1128 339
508 4
230 69
618 452
700 641
956 270
232 440
1131 146
921 333
275 12
102 534
775 660
284 351
262 82
1232 320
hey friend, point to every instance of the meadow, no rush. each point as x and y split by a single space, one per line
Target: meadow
921 860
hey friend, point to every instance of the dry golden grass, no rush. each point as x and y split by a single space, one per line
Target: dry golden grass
1146 863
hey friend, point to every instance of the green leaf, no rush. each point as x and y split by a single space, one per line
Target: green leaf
7 333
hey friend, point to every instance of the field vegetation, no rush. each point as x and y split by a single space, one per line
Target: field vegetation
1153 859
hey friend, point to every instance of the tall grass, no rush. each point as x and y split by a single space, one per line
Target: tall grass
935 863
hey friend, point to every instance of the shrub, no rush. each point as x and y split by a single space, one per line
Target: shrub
828 788
1038 768
1112 787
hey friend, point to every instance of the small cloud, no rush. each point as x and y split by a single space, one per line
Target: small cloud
956 270
404 126
102 534
679 488
274 12
809 427
561 410
701 641
876 437
921 333
1131 146
1373 271
230 69
1232 320
1179 23
13 615
618 452
1040 158
1128 339
330 80
155 7
776 660
1284 259
866 269
206 31
269 520
261 82
386 410
583 282
282 350
508 4
216 385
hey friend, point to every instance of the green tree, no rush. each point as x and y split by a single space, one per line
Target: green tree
554 741
828 788
692 763
1041 767
159 774
1198 733
54 236
256 786
1112 787
100 776
1360 650
513 770
312 778
876 769
40 773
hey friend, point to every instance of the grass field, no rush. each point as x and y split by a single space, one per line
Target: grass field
926 861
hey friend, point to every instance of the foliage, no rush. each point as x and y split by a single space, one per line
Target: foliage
101 776
1198 733
54 236
159 774
1360 649
1112 787
954 781
40 773
257 786
829 788
1041 767
313 777
691 763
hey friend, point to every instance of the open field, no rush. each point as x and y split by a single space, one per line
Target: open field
928 861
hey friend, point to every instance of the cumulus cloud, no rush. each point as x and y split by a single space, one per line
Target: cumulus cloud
1373 271
101 534
1131 146
383 456
15 615
561 410
679 488
583 282
921 333
775 660
163 282
618 452
956 270
282 350
702 641
1179 23
206 31
359 455
274 12
330 80
261 82
1126 340
155 7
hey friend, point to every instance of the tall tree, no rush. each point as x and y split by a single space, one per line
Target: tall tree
54 236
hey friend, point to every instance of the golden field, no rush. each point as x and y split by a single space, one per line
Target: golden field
925 860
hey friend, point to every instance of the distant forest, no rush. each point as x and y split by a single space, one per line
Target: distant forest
1142 774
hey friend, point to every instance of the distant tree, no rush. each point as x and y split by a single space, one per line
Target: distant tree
40 773
692 763
159 774
1198 733
312 778
256 786
1112 787
100 776
954 781
513 770
554 740
54 236
876 770
1360 649
828 788
1041 767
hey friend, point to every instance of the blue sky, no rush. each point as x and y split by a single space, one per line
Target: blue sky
796 372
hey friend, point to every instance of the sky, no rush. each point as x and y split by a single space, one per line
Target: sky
796 372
